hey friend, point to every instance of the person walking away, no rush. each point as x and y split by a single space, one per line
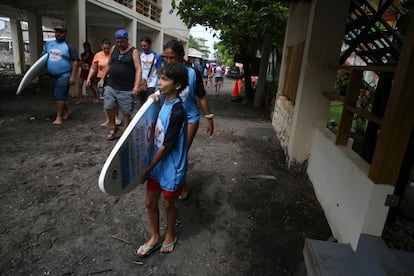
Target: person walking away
151 64
62 67
218 78
86 62
167 170
174 53
206 72
96 74
210 75
124 69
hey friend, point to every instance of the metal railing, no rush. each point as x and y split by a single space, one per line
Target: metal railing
147 8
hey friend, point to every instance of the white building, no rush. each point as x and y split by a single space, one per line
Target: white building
92 21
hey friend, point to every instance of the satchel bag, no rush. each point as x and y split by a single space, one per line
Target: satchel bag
143 84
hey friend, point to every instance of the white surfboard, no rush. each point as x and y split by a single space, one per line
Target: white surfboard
35 70
131 154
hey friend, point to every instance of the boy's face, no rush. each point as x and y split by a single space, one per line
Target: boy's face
146 47
170 56
167 86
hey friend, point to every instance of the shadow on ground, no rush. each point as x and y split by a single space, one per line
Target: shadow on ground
247 214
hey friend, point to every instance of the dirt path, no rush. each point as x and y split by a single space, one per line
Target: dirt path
55 221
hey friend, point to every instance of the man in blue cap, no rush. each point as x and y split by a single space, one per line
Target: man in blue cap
62 67
124 69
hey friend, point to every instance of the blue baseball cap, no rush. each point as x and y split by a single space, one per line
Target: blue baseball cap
121 34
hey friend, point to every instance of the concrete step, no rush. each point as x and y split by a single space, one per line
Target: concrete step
406 258
372 257
330 259
376 258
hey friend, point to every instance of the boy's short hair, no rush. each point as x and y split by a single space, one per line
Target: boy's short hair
177 72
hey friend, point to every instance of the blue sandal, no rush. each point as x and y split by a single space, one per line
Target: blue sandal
148 249
167 245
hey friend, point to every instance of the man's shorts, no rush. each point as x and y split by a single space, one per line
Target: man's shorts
60 88
154 185
124 99
219 79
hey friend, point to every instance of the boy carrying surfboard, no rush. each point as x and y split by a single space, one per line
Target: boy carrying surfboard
167 170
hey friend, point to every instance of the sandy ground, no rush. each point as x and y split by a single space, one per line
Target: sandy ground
248 214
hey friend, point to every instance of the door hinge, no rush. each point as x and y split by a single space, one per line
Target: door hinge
392 200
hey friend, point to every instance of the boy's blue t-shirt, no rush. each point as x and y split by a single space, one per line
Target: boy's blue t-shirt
189 95
61 56
171 132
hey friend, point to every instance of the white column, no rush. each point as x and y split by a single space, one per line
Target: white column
132 29
75 19
18 47
35 35
322 48
157 41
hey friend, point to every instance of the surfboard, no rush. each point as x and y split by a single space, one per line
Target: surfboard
35 70
131 154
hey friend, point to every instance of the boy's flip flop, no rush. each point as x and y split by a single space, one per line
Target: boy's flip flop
148 249
167 245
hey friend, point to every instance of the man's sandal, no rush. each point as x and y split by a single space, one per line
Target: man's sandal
112 134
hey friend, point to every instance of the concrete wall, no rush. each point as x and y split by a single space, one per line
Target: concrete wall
282 120
295 33
353 204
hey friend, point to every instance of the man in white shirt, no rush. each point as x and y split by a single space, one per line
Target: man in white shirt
150 63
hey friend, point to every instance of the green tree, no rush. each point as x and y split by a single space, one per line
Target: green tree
194 43
223 54
244 26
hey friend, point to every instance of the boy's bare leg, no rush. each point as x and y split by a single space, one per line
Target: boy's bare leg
171 214
151 201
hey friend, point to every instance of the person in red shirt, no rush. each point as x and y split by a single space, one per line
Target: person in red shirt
86 63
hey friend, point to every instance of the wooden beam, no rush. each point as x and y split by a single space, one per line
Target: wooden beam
364 114
398 120
375 68
334 96
347 117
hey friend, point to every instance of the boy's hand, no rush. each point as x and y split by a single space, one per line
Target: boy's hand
155 97
144 176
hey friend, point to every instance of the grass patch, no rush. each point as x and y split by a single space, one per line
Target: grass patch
335 112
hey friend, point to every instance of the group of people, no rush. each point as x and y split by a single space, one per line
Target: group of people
117 70
210 71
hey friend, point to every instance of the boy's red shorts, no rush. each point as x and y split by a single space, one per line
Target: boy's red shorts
154 185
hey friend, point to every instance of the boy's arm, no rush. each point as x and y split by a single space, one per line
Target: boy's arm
157 158
201 94
206 109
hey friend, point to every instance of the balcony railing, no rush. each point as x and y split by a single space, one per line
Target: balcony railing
147 8
126 3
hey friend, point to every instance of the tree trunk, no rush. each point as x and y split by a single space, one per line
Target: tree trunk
248 82
261 85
